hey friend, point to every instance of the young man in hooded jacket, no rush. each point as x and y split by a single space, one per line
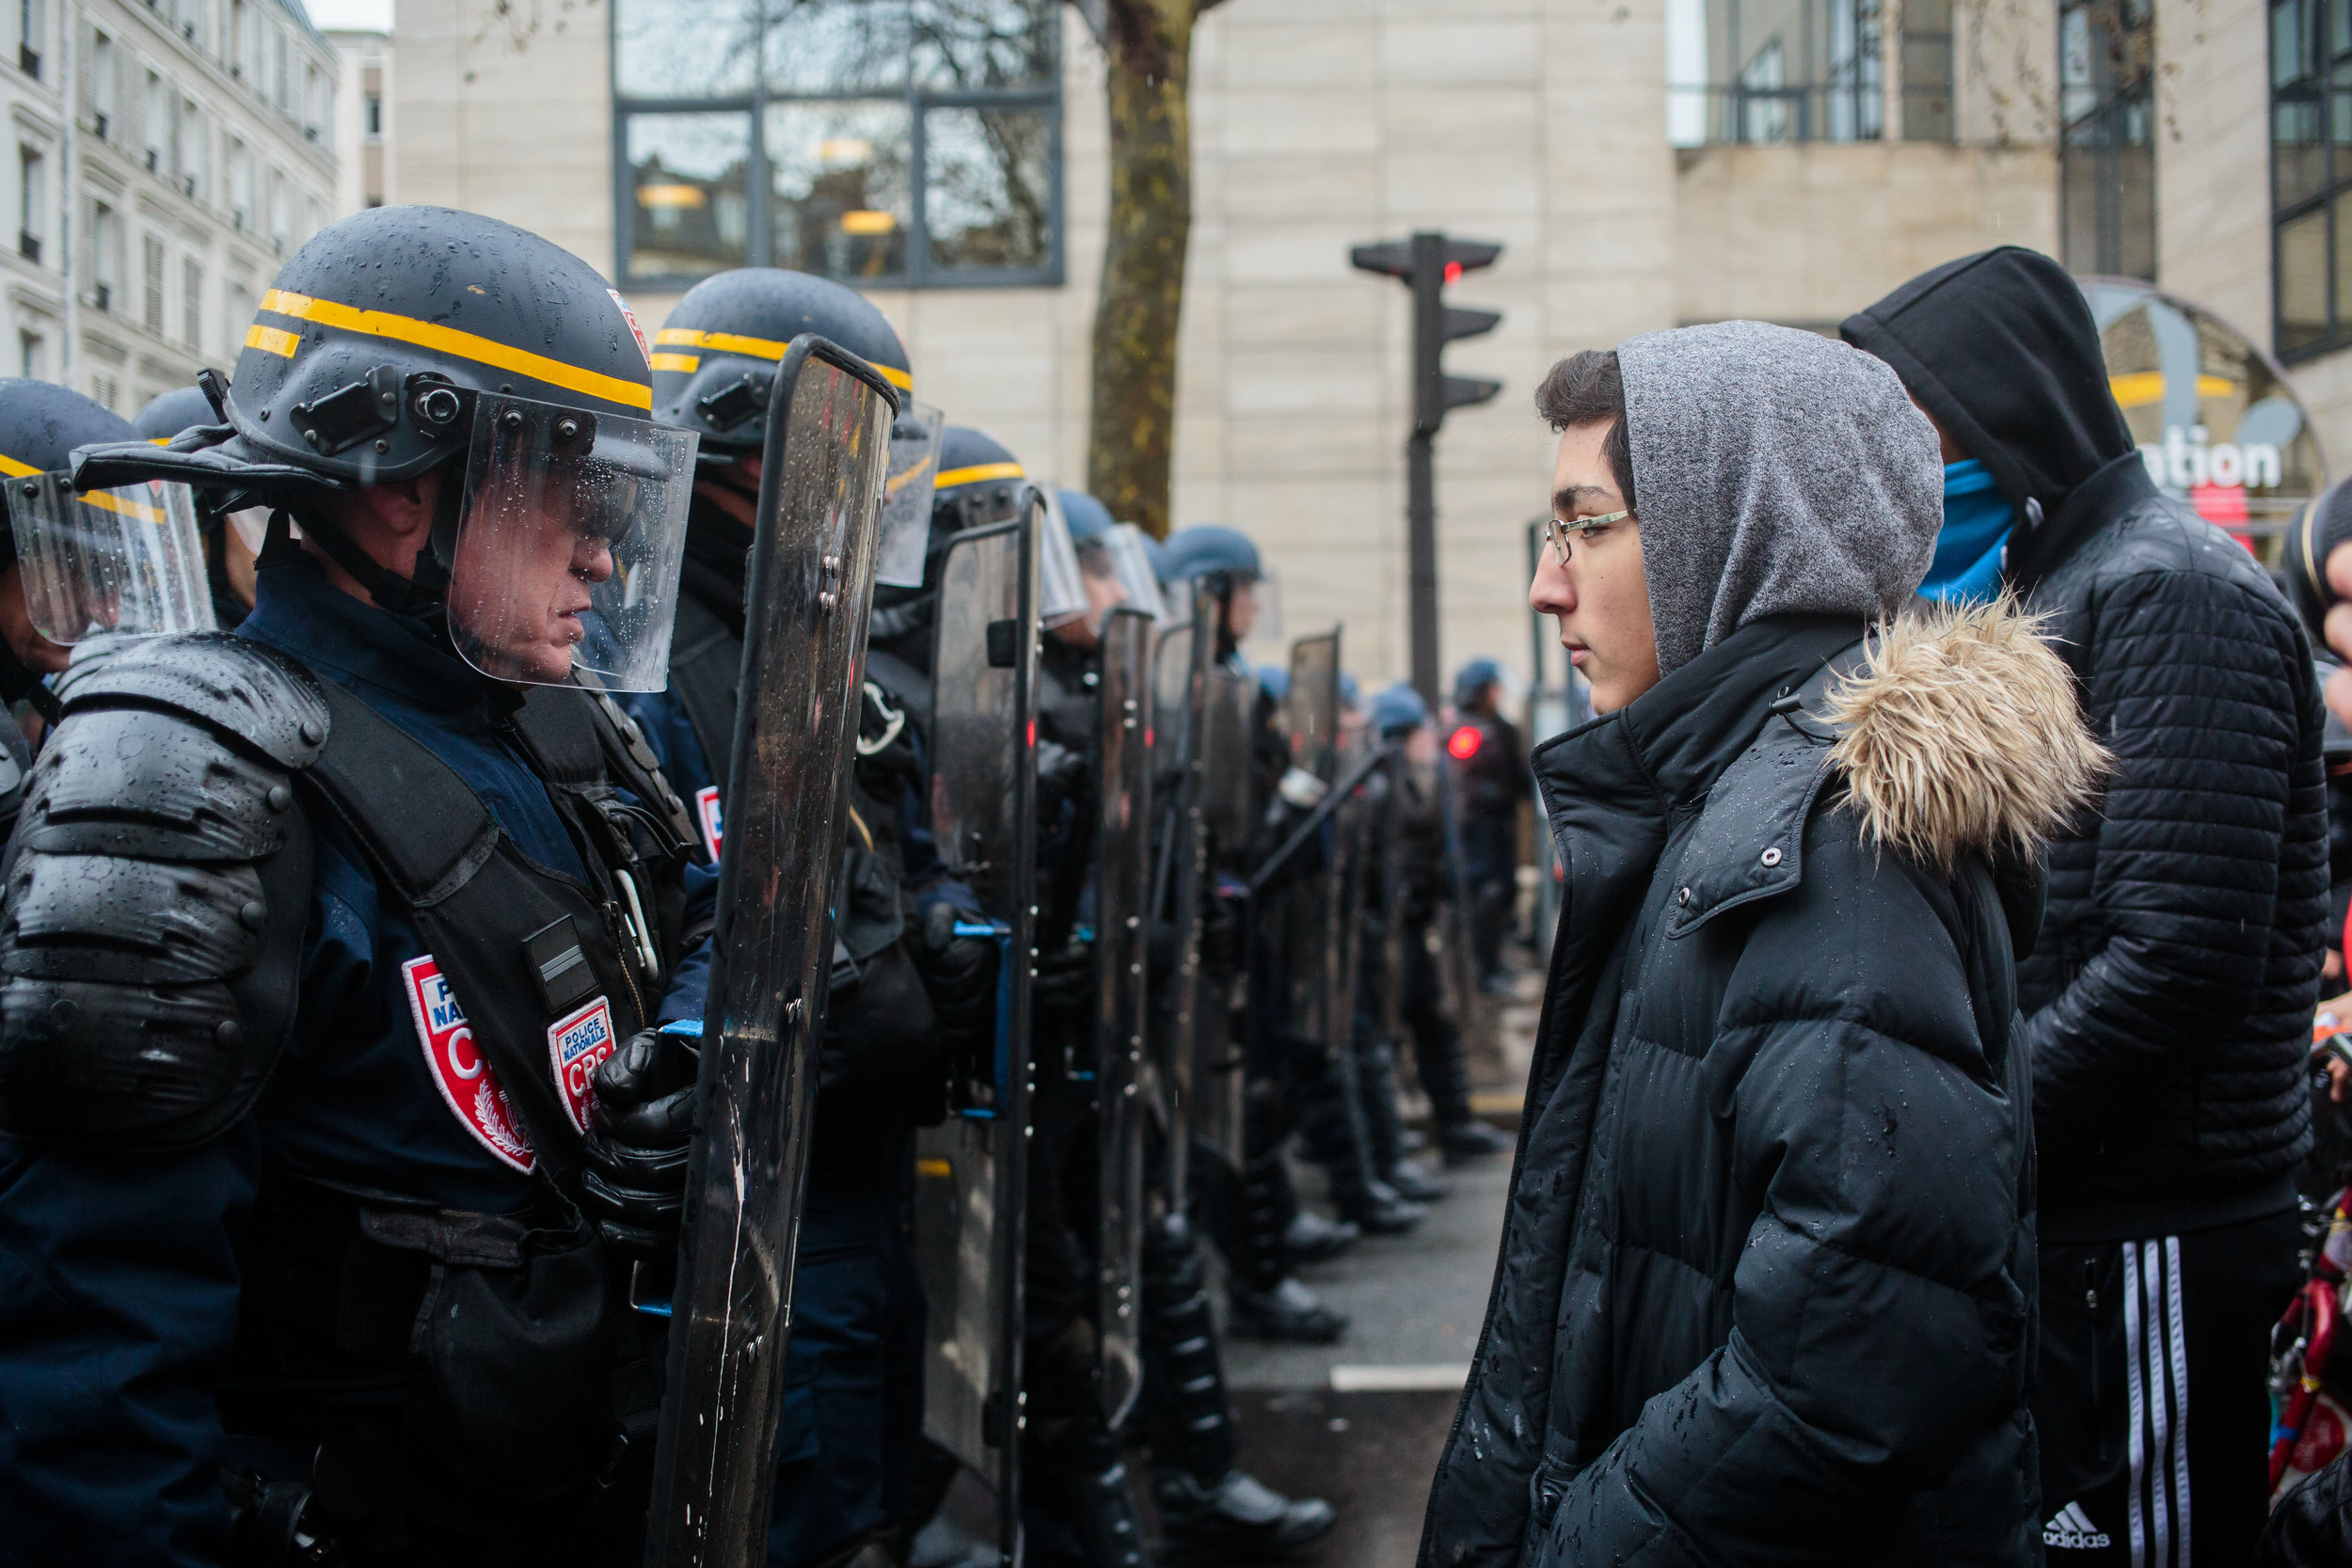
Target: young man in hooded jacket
2169 1004
1766 1290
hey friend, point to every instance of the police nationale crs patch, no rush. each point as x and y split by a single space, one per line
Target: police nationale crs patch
631 316
707 813
576 1043
459 1069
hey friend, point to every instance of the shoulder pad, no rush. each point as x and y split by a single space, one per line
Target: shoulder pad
134 781
155 894
247 691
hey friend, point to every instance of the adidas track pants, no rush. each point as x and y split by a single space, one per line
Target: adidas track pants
2151 1399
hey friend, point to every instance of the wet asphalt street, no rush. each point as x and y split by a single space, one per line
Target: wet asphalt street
1360 1423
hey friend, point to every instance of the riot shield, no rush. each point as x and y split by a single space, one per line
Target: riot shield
1230 702
970 1170
1180 870
1310 712
1388 848
811 581
1122 885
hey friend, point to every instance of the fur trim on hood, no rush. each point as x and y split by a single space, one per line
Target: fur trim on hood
1961 733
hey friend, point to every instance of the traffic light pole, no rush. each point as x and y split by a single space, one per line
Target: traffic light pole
1420 560
1425 263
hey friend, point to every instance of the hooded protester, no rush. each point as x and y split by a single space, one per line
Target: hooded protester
1766 1288
2169 1005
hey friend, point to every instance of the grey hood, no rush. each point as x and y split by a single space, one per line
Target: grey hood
1773 470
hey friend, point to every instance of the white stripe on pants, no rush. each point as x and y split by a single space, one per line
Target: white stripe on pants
2156 1374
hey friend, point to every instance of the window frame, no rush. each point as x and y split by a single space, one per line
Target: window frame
921 272
2101 133
2335 189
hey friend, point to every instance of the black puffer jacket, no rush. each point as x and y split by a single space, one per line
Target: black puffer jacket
2169 1003
1766 1283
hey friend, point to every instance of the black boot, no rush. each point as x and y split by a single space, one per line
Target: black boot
1076 1481
1238 1518
1312 1239
1445 1078
1289 1314
1335 1134
1210 1509
1384 1131
1080 1513
1265 1302
1465 1141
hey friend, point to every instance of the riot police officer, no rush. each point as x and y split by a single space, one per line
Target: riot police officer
1491 764
853 1404
1262 1219
338 1127
41 424
231 544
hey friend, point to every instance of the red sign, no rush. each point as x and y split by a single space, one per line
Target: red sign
459 1071
574 1045
707 813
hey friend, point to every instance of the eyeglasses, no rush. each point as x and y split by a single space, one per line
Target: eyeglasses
1558 531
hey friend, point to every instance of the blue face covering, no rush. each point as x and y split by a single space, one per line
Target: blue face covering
1977 522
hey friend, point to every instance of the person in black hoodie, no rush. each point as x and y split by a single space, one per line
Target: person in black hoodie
2169 1001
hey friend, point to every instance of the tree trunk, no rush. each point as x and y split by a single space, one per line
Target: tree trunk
1132 424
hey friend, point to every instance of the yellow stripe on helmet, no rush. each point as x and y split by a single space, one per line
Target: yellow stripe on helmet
752 348
14 469
978 473
464 345
682 363
272 339
108 500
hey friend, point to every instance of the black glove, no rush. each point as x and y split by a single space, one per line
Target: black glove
960 975
633 1176
1064 978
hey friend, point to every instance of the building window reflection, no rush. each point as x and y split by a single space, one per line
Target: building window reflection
898 142
2107 157
1807 71
2310 175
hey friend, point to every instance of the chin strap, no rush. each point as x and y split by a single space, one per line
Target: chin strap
420 596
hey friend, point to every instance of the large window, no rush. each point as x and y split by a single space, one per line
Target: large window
2310 175
2107 156
1797 70
877 141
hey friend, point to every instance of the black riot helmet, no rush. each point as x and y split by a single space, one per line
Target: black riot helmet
978 482
121 560
168 414
714 360
403 340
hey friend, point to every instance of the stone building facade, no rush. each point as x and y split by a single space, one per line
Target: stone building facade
167 155
1644 163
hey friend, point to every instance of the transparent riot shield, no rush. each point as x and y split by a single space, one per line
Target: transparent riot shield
1310 711
971 1172
1122 885
1180 871
1228 705
812 580
1388 851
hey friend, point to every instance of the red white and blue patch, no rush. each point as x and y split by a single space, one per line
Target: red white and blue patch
707 813
459 1071
576 1043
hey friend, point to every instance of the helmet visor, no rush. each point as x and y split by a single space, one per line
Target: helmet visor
1062 595
1124 545
569 544
906 520
127 560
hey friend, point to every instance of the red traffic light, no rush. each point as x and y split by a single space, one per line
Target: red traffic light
1464 743
1454 272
